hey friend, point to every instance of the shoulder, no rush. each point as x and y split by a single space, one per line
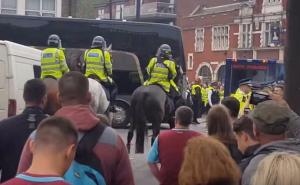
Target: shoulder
154 59
109 137
15 181
12 121
251 169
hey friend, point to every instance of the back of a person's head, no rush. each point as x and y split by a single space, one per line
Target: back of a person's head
218 123
278 169
233 105
208 162
54 134
184 115
244 124
73 86
34 91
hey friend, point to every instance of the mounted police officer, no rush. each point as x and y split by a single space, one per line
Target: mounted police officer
99 66
53 62
162 71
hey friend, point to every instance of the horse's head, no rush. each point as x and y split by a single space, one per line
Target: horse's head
52 104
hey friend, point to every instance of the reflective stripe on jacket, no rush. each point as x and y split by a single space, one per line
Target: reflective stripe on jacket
159 73
97 65
53 63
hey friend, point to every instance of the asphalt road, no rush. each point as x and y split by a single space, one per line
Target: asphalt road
141 171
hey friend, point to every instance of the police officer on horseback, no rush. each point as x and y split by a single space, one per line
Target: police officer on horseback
162 71
53 62
99 66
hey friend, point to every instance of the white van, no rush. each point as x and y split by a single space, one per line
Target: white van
18 64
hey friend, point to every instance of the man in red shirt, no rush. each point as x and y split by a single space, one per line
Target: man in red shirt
167 149
53 151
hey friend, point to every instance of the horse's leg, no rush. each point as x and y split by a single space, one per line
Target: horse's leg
130 136
155 130
172 122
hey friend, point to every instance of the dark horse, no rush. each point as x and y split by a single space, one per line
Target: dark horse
148 105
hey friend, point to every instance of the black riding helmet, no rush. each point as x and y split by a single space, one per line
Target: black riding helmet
164 51
98 42
54 41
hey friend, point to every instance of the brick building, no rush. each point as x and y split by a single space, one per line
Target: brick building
81 8
49 8
220 29
161 11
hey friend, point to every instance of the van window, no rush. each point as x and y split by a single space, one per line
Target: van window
36 71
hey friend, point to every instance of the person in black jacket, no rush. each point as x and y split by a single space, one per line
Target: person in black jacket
14 131
247 144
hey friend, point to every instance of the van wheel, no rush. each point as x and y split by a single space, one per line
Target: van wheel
120 118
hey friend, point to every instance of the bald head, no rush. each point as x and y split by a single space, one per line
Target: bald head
74 88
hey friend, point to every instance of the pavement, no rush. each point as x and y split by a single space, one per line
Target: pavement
141 171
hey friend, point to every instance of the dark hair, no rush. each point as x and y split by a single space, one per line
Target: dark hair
56 131
34 91
244 124
184 115
73 86
218 124
233 105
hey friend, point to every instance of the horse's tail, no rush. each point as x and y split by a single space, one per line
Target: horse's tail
139 116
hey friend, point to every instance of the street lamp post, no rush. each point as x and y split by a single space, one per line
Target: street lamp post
138 10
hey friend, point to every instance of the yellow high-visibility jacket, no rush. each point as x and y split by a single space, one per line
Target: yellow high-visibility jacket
53 63
159 74
97 65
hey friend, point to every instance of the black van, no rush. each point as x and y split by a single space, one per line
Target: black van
133 45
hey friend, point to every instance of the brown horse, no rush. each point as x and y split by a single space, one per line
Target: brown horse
52 99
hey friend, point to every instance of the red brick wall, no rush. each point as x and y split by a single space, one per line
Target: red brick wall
268 54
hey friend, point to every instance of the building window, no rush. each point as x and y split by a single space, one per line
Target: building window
273 1
190 61
245 35
221 74
271 34
8 6
119 11
199 39
101 13
205 73
220 39
41 8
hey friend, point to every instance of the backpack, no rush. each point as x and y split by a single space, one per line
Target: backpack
86 168
215 97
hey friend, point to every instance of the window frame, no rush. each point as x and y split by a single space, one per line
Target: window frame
118 14
264 33
221 44
245 34
41 12
273 2
199 39
190 63
9 9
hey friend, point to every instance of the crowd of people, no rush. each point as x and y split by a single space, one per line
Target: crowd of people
245 145
261 147
258 146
